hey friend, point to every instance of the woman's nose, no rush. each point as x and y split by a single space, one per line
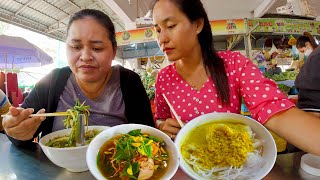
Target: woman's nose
163 37
86 55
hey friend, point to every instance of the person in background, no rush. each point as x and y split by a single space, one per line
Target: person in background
202 81
115 94
4 107
307 83
306 44
272 68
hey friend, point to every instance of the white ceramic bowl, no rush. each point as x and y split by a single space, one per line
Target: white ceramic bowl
74 158
104 136
269 147
310 163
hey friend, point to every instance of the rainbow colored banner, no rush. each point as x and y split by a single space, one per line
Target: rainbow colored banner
227 27
136 36
219 27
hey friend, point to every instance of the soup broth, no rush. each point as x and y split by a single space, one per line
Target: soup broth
107 164
62 142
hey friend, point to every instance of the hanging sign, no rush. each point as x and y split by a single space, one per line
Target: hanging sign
227 27
136 36
288 26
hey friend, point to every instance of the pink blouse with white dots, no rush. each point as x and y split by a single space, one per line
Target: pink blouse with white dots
261 95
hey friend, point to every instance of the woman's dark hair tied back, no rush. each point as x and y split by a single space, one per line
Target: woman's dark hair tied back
100 17
194 11
307 37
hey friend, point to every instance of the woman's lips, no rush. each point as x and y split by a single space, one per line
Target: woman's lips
87 68
167 50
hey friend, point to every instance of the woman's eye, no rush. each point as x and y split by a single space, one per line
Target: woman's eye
172 26
97 49
76 47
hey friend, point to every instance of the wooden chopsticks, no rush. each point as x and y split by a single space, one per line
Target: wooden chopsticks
45 114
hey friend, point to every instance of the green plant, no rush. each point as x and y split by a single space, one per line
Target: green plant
148 82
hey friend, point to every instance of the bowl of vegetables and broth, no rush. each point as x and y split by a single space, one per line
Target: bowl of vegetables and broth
225 146
153 154
71 158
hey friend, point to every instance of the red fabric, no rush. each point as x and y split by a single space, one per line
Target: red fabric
20 96
2 86
14 99
12 81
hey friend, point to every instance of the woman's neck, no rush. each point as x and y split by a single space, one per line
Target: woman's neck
194 60
94 89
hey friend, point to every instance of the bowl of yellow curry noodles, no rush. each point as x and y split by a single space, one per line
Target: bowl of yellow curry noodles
64 153
225 146
132 151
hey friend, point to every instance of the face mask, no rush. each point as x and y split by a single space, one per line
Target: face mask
307 52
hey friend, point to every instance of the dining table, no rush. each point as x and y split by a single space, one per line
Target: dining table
31 164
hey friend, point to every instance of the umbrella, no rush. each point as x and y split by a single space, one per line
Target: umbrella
18 53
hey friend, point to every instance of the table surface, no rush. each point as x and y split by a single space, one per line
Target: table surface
17 163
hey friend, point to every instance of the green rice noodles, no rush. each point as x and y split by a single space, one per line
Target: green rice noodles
223 151
71 121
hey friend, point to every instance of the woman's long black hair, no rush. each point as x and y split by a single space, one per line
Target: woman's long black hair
194 10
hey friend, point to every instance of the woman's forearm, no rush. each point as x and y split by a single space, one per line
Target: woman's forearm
298 127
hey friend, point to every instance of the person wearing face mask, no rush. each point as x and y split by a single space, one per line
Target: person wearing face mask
306 44
307 82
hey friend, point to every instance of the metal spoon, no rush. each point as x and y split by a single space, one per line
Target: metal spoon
80 130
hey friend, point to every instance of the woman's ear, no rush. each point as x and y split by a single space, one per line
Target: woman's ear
200 24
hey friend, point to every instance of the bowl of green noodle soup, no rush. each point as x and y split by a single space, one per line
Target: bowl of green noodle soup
225 146
71 158
61 146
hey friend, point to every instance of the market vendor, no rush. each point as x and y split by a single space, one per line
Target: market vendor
308 84
306 44
272 68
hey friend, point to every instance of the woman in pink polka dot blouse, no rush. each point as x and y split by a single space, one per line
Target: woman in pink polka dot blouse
202 80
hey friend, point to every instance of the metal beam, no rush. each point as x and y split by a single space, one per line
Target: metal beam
52 27
56 29
58 22
117 9
263 8
27 24
22 7
75 5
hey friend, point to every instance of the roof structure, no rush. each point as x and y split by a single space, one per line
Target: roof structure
50 17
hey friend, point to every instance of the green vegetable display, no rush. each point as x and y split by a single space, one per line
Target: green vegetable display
148 82
284 76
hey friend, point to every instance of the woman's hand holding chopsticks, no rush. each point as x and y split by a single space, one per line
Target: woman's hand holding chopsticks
19 125
171 127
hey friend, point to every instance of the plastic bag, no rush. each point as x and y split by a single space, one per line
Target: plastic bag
295 53
273 49
165 62
149 66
